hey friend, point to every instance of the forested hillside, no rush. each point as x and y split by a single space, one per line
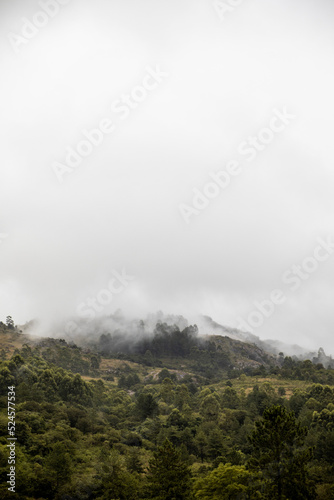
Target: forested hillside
176 417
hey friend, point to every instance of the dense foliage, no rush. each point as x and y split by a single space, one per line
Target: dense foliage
170 431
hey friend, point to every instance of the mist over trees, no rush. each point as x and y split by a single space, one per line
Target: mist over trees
166 340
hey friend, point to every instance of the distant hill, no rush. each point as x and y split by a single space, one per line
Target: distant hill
208 325
121 335
274 347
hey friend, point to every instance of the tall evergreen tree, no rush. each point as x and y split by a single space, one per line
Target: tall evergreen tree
10 323
169 476
278 454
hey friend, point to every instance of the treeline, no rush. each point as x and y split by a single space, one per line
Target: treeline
61 354
209 358
306 370
162 438
168 342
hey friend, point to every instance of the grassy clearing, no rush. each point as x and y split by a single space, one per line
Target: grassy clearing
9 341
246 384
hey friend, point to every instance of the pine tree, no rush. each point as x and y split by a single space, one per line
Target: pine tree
10 323
59 463
146 406
169 476
278 454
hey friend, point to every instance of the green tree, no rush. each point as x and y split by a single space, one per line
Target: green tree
59 464
168 474
163 374
325 418
117 482
230 398
262 397
10 323
278 454
227 482
166 390
134 461
215 442
176 419
181 396
146 405
94 362
210 408
201 443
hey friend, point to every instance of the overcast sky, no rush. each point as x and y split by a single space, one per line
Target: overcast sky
203 81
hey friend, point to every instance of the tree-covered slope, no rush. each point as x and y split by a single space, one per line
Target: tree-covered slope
114 428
